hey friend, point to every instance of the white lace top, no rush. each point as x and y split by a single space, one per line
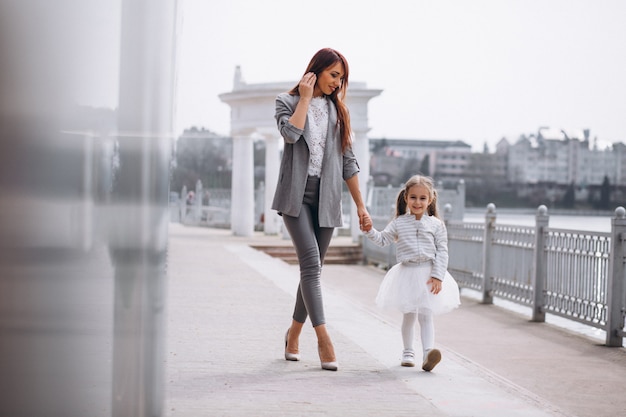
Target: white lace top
318 126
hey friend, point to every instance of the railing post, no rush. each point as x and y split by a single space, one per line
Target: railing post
183 205
460 202
615 287
490 223
197 203
447 213
540 267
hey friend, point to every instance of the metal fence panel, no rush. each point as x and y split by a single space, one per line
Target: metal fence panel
578 265
512 263
465 248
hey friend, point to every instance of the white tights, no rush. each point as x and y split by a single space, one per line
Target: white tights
427 330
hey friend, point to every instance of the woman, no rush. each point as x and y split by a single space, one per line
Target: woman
315 125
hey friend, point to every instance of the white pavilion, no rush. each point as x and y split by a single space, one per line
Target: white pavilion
252 118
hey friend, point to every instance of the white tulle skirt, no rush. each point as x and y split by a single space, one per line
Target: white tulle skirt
405 288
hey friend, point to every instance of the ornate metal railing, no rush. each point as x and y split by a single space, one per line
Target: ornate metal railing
577 275
574 274
465 241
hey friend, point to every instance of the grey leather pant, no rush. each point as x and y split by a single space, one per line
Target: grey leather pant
311 243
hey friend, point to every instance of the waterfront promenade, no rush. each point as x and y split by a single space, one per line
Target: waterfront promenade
229 306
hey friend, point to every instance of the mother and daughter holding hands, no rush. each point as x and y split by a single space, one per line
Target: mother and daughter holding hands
317 158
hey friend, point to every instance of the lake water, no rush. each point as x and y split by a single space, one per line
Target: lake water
574 222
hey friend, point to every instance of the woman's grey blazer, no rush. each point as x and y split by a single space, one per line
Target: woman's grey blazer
336 166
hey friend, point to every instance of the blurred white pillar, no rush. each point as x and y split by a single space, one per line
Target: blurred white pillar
139 210
242 188
357 99
62 354
273 221
361 149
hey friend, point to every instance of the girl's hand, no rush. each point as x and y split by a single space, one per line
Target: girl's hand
435 285
307 84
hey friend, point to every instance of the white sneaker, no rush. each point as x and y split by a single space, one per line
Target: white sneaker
408 357
431 359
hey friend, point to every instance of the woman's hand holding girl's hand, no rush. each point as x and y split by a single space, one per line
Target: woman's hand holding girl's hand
307 84
435 285
366 223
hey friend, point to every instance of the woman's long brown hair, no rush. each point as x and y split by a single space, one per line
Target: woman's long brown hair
323 59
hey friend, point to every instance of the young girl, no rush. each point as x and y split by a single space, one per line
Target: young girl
419 285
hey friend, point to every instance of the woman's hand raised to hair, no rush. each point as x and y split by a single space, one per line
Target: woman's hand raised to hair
305 89
307 85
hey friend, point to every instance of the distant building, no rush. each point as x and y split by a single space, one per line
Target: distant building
444 160
561 158
619 150
540 168
490 168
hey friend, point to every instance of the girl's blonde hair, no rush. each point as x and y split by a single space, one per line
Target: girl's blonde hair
412 182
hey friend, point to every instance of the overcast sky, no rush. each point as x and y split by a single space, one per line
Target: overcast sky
473 70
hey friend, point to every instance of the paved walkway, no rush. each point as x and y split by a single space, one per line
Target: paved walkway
230 305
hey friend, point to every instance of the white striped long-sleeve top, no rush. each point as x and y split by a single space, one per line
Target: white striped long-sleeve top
416 240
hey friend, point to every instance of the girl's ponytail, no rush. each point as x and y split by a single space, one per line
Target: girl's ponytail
432 207
401 203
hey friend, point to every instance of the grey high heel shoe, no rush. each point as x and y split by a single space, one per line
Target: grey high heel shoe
329 366
290 356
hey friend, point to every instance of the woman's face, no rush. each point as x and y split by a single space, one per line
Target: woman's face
329 80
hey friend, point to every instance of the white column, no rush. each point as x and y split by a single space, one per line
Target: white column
242 189
361 149
272 162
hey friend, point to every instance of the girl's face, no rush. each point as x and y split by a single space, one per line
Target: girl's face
417 200
329 80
